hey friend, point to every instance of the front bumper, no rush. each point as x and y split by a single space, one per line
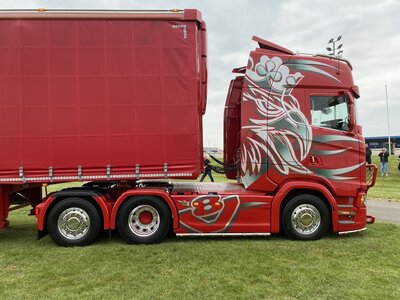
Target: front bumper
370 219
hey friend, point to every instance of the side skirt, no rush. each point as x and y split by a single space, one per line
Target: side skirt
352 231
222 234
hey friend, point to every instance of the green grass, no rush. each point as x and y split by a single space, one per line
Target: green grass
360 266
386 187
363 265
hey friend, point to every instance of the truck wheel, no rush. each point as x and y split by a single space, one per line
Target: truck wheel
305 217
143 220
73 222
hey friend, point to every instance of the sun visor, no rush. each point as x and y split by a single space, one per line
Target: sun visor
263 44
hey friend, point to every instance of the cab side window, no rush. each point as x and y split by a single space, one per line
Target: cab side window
330 112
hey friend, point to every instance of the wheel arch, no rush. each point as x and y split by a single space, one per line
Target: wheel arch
291 189
95 199
143 193
295 192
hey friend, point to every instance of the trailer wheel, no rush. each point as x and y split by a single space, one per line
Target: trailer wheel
73 222
305 217
143 220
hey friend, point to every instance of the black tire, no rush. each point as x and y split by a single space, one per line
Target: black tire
84 222
305 217
143 220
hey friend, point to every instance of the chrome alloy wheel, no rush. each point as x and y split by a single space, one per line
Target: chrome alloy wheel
144 220
73 223
306 219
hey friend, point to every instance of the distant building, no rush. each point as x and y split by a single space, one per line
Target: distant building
212 149
379 142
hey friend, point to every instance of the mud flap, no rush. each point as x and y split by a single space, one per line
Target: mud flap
3 224
41 234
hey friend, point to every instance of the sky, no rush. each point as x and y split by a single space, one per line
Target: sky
370 33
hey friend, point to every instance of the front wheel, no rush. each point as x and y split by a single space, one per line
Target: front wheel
143 220
73 222
305 217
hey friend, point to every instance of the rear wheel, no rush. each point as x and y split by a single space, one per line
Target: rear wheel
143 220
305 217
73 222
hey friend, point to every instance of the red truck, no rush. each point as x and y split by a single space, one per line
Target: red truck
115 99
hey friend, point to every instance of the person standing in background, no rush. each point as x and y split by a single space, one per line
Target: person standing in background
384 157
207 170
368 154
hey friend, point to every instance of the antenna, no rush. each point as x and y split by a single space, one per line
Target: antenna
333 47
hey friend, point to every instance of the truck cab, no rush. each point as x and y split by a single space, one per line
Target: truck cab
291 121
292 116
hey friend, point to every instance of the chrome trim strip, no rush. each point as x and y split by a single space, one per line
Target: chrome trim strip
175 15
90 177
352 231
346 222
224 234
51 173
92 11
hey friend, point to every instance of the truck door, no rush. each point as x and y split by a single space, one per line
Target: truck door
335 150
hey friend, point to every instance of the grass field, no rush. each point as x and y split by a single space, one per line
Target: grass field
360 266
386 187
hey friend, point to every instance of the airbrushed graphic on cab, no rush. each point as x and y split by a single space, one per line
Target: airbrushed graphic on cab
277 134
212 213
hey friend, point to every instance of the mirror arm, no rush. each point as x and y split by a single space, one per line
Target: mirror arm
352 125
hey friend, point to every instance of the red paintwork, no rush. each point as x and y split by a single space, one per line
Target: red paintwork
263 44
4 223
370 219
101 89
228 214
145 217
5 191
314 84
359 220
221 208
4 203
232 124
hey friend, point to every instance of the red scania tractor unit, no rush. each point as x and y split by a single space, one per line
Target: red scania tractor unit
115 99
